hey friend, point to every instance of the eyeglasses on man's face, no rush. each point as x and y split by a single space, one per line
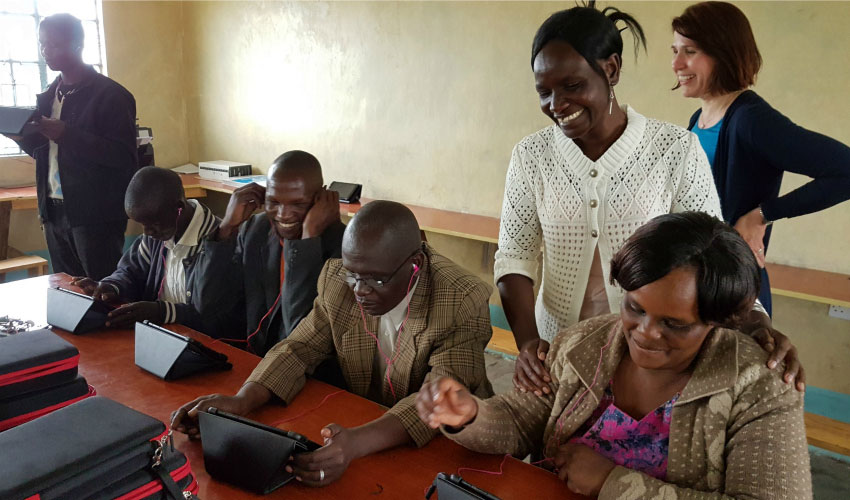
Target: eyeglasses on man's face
374 283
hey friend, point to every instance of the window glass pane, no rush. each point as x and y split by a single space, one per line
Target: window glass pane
18 38
17 6
81 9
27 83
7 95
8 147
91 47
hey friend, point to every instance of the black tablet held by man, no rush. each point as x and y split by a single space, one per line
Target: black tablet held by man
246 453
13 120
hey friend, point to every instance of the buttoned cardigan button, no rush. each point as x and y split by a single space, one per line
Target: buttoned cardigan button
593 203
594 233
593 172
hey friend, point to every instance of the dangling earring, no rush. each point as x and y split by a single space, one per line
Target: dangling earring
611 102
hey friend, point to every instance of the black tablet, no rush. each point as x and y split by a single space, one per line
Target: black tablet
171 356
348 192
74 311
13 119
246 453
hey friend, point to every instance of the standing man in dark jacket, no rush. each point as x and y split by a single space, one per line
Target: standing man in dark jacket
257 274
84 145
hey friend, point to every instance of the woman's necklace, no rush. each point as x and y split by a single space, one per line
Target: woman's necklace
713 110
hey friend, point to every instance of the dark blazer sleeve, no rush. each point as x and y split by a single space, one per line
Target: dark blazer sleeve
789 147
115 144
219 287
283 370
132 273
304 260
30 142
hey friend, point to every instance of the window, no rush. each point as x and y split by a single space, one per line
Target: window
23 73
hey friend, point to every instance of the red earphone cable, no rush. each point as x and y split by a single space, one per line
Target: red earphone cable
388 359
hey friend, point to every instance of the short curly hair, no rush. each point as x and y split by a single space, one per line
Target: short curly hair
728 277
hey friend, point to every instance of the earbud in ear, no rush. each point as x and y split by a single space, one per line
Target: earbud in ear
415 269
179 211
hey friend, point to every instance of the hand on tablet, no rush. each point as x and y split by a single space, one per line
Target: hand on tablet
127 315
250 397
104 292
327 464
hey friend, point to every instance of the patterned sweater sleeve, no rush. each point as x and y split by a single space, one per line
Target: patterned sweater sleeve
519 229
696 190
515 422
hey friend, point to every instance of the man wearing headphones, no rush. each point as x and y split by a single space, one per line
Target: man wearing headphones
394 313
156 276
84 144
257 273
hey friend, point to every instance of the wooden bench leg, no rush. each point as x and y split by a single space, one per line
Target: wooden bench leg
5 219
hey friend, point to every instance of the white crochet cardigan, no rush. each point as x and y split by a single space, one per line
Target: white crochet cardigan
555 193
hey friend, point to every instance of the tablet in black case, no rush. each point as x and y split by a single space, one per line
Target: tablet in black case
248 454
75 312
171 356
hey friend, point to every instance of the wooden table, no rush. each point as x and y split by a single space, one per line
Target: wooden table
107 363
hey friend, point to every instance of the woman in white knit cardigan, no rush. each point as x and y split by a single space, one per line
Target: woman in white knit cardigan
583 185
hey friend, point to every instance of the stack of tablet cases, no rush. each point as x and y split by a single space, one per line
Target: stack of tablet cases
94 449
38 374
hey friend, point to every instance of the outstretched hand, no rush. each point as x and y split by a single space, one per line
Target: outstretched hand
445 401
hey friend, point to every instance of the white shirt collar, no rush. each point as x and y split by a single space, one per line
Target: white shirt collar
192 232
397 314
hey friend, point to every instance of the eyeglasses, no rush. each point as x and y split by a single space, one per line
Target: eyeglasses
374 283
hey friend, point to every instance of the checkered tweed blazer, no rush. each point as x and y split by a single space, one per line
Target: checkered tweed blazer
445 335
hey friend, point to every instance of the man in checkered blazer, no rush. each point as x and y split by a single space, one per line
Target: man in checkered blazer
393 313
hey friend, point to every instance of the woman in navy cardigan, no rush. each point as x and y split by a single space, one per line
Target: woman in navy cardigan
748 143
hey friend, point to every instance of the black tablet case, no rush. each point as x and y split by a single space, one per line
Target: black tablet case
75 312
171 356
348 192
173 462
81 451
32 402
13 119
31 361
250 455
453 487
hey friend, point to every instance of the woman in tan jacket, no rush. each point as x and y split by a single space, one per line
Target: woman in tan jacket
661 401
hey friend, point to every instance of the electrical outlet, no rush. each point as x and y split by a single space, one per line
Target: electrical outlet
839 312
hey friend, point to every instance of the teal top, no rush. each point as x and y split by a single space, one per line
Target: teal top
708 139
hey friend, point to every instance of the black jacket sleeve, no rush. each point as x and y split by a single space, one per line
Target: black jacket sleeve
132 273
304 260
219 290
789 147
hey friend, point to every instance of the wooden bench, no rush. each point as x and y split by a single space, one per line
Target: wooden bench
35 266
828 434
503 341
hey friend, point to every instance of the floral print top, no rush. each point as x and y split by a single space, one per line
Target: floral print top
639 445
